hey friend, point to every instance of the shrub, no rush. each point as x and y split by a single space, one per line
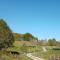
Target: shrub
6 36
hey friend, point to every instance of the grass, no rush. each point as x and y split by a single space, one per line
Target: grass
17 47
47 55
21 48
35 49
23 57
4 56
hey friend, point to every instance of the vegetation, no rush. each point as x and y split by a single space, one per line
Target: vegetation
4 56
52 42
50 54
6 36
25 43
24 37
28 37
18 37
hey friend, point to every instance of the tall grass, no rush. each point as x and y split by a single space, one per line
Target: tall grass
5 56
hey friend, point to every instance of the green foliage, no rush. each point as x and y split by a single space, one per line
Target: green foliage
52 42
24 37
28 37
6 36
56 48
18 37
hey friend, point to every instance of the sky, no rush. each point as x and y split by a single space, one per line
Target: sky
38 17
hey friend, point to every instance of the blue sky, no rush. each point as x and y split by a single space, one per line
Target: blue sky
38 17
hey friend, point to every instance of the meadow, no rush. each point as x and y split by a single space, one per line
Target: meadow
52 53
24 47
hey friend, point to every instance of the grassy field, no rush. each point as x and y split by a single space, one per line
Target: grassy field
51 54
24 47
4 56
21 47
18 46
37 50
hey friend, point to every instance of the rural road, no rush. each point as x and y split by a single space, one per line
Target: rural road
34 57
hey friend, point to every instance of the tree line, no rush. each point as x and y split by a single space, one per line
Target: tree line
24 37
49 42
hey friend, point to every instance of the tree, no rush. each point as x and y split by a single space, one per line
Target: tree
27 37
58 43
18 37
6 36
52 42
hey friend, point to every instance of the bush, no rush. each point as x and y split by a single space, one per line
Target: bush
6 36
56 48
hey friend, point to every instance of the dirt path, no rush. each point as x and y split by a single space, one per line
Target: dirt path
44 49
34 57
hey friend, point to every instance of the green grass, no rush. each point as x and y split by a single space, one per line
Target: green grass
24 57
17 47
46 55
4 56
36 50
